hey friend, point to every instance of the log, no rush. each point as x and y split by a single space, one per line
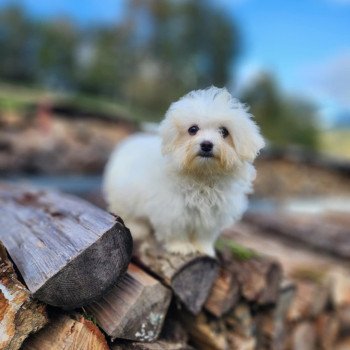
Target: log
189 276
133 309
323 273
67 333
224 293
327 331
237 342
343 344
19 314
271 324
205 333
303 337
310 300
173 330
258 277
68 252
240 322
318 232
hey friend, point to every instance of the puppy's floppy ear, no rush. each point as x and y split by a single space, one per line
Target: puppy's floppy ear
168 132
246 136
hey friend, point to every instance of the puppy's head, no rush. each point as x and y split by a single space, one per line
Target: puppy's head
209 132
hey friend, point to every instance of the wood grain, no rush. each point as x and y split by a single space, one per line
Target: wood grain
189 276
134 309
20 315
68 252
68 333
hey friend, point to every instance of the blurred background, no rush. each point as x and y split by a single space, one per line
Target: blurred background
77 78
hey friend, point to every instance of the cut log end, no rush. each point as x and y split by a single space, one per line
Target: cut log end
189 276
65 332
193 282
92 273
69 252
134 309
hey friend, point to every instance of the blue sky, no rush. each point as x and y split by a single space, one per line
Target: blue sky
305 43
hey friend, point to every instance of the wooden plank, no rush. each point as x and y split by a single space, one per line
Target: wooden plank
19 314
67 251
189 276
67 333
134 309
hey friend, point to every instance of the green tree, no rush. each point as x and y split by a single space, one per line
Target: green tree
56 53
283 120
17 46
161 50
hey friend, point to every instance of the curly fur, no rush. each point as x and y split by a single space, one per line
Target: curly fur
162 182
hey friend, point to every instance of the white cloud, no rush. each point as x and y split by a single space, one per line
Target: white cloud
331 79
247 74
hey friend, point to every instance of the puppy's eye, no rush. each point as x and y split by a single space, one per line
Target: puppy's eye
224 132
193 130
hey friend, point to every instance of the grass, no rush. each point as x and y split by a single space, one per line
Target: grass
336 142
17 99
239 252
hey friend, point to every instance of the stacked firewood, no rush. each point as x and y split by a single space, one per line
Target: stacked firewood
70 281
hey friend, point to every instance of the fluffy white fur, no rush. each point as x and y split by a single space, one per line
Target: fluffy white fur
164 183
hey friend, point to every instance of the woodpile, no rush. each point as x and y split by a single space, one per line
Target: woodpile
265 291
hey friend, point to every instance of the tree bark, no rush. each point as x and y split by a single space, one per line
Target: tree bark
67 333
68 252
19 314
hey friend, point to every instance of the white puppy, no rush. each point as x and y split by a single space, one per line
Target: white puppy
191 181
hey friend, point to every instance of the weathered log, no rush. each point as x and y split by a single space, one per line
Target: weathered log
342 344
224 293
240 326
258 277
173 330
19 314
205 333
310 300
271 324
68 333
303 337
189 276
134 309
299 263
330 236
68 252
327 331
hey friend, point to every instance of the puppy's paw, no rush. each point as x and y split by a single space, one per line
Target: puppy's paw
206 248
178 247
139 229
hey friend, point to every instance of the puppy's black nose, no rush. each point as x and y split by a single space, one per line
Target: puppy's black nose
206 146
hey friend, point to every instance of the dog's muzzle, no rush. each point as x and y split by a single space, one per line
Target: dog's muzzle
206 150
